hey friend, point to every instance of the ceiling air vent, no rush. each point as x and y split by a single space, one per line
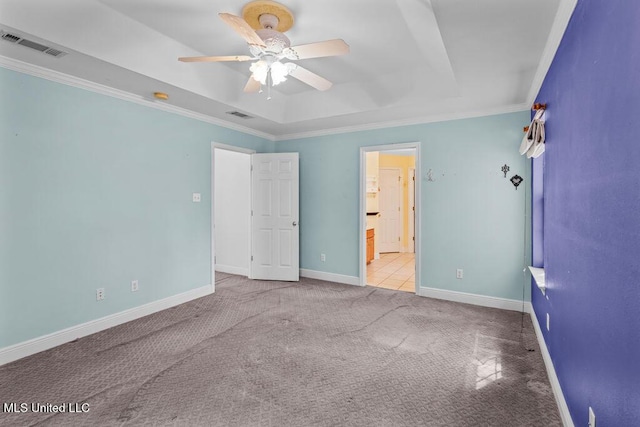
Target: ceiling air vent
239 114
55 52
10 37
31 44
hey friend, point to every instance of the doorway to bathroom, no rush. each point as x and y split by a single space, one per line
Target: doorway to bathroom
389 223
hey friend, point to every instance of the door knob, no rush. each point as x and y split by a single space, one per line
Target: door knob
295 223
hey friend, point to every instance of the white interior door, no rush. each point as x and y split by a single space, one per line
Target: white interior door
390 197
275 238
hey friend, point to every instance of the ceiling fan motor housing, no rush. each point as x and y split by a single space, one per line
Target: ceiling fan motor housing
275 41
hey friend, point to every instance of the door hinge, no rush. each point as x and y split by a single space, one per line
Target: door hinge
251 167
413 238
413 208
398 208
251 213
251 257
398 238
398 179
413 178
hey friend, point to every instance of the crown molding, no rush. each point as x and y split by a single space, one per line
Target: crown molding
560 23
69 80
514 108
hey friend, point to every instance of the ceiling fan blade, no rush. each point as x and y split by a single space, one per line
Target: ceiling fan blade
312 79
241 27
252 85
215 58
318 50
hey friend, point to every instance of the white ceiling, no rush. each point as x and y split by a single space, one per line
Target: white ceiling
411 61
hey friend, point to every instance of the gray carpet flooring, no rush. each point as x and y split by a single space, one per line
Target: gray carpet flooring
311 353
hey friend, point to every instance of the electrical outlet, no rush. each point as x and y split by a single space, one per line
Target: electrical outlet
459 273
99 294
134 286
323 257
592 417
196 197
547 321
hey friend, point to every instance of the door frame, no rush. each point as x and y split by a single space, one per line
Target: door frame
220 146
412 212
363 207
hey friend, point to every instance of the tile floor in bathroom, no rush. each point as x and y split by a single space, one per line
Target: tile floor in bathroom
393 271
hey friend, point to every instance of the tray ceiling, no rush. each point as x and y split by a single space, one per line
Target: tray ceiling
411 60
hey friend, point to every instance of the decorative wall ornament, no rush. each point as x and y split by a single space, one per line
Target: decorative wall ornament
505 169
430 175
534 138
516 180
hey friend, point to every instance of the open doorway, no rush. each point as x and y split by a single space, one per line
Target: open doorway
230 209
389 226
254 214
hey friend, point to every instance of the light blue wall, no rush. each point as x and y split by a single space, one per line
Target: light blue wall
95 192
473 218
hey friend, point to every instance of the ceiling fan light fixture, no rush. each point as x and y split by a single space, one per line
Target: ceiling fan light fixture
260 70
279 73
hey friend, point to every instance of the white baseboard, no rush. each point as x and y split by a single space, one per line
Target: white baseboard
330 277
45 342
482 300
551 373
230 269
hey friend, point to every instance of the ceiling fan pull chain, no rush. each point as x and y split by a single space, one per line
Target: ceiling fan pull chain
269 84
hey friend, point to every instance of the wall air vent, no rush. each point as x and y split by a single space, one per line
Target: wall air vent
239 114
31 44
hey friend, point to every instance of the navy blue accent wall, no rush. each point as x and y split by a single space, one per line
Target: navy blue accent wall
591 241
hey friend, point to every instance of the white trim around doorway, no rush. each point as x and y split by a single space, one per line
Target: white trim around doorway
411 244
362 206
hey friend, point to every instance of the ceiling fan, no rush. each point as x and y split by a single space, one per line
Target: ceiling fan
269 47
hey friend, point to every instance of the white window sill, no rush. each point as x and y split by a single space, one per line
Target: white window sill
538 276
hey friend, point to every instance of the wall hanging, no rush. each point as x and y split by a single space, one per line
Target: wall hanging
516 180
534 138
505 169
